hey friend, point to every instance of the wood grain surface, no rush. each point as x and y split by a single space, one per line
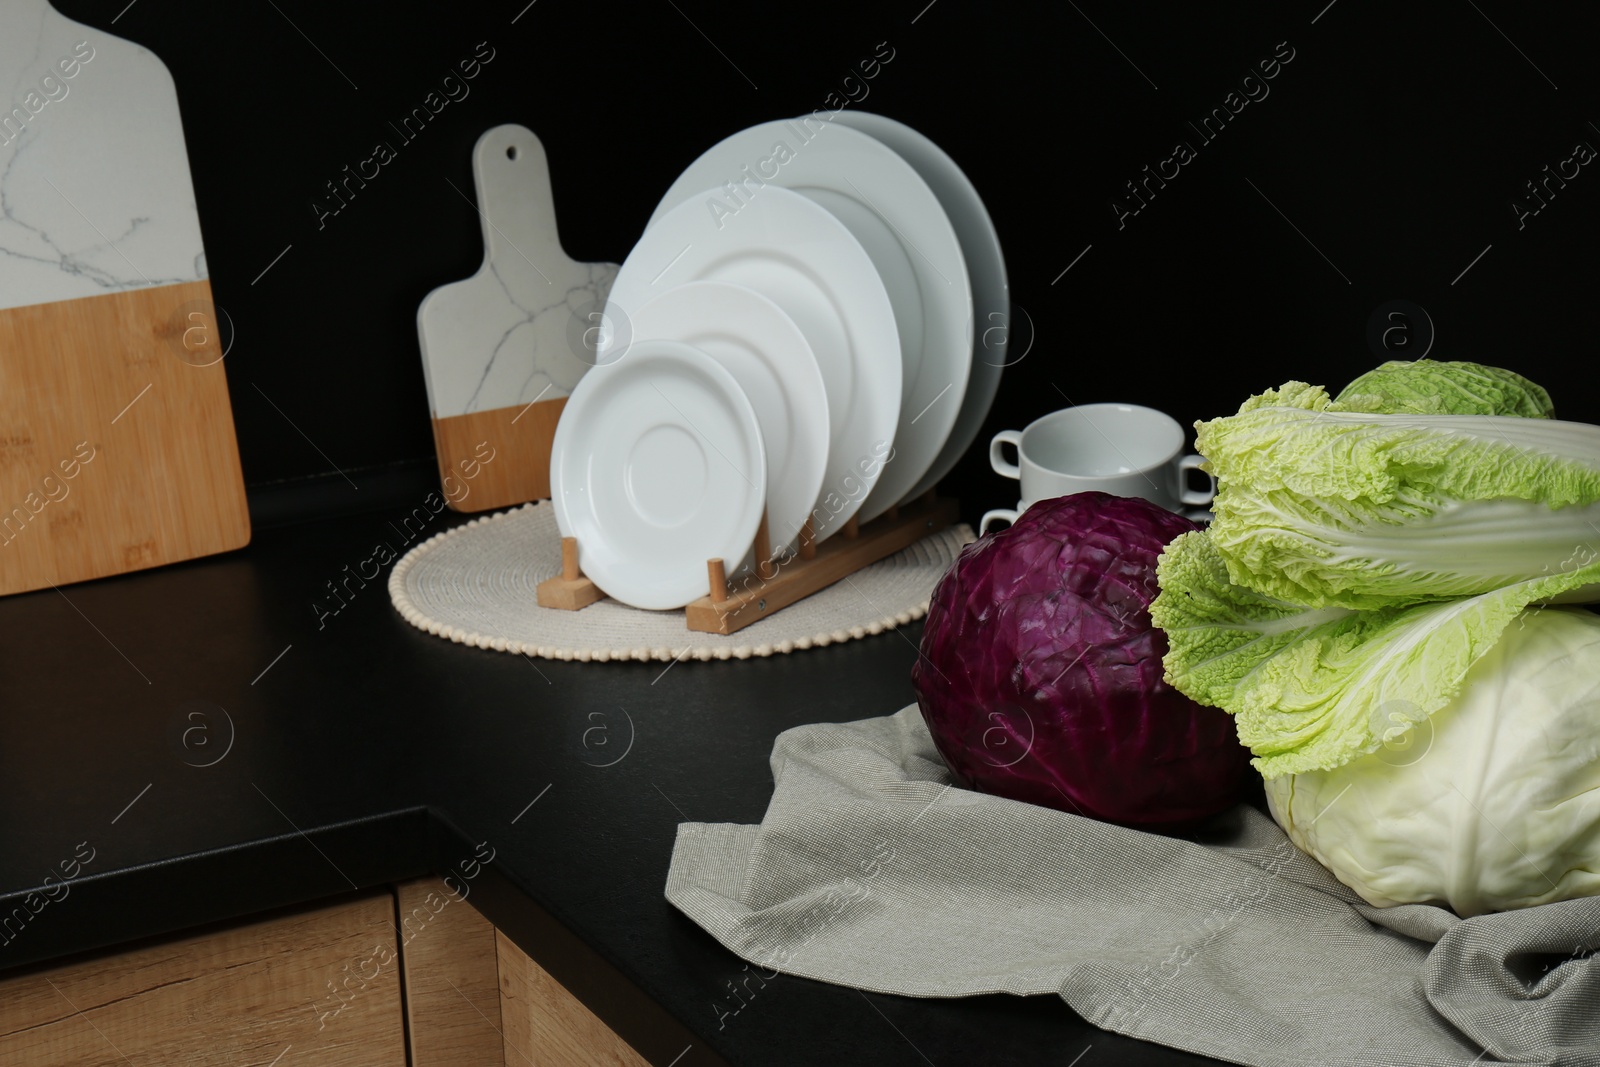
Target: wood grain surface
545 1024
117 449
519 440
452 979
753 598
317 987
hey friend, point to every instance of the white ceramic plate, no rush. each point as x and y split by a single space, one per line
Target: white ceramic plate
899 221
658 466
768 356
794 252
986 265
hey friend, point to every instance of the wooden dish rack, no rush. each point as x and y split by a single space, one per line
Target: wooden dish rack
778 579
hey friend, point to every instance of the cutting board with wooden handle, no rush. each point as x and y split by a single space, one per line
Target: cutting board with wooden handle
502 349
117 449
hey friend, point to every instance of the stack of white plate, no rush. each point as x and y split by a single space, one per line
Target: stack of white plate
793 334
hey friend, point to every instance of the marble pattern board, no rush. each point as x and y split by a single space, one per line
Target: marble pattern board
523 328
73 223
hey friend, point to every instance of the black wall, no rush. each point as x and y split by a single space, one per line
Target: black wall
1394 141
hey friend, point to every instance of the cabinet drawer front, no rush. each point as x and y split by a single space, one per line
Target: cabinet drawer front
320 986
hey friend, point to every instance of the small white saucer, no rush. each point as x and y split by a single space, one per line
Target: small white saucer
657 466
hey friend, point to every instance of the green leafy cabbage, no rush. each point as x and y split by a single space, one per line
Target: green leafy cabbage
1427 387
1371 605
1322 506
1313 688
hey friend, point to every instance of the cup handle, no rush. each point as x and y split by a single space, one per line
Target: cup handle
1191 496
997 458
1006 515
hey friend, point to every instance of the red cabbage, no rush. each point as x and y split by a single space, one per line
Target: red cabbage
1040 671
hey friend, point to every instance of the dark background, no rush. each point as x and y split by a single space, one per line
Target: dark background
1394 143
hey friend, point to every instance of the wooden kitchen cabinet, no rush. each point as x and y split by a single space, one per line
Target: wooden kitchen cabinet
474 997
259 993
545 1024
413 976
451 979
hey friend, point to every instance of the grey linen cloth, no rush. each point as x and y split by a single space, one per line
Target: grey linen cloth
872 870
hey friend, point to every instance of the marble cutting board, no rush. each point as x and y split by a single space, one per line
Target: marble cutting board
502 350
117 448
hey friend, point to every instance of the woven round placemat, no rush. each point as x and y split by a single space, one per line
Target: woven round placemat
477 585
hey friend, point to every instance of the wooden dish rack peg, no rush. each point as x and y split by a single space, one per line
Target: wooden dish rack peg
570 590
779 579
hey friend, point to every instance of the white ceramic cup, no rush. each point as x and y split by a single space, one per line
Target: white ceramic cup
1121 449
1005 515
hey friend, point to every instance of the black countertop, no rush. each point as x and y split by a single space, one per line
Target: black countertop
224 748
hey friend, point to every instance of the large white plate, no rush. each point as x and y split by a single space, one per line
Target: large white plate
898 219
986 265
658 466
768 356
794 252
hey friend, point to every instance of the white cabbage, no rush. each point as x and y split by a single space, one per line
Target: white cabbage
1491 802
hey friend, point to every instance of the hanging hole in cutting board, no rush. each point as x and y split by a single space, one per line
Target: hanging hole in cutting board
511 152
